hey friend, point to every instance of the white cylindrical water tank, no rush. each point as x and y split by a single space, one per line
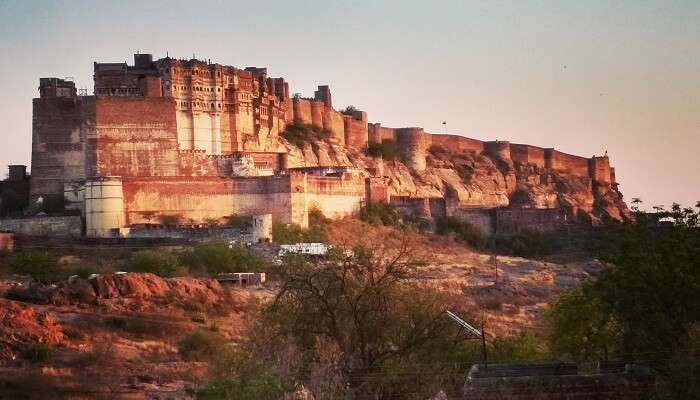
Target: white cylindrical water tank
104 206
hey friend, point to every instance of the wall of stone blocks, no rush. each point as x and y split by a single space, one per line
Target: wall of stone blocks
302 111
457 143
136 137
481 219
513 220
288 198
600 170
526 154
205 198
498 149
413 144
317 110
568 163
356 134
69 226
60 128
333 122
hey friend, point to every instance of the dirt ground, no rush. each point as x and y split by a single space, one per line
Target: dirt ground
123 343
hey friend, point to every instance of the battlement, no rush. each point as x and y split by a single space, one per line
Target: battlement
56 87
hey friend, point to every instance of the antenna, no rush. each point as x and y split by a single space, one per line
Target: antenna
463 323
479 334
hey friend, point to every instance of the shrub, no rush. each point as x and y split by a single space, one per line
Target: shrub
238 221
170 220
464 231
380 214
220 258
349 110
201 345
37 353
465 172
156 262
300 134
525 347
42 266
528 244
317 231
438 151
140 326
387 149
73 333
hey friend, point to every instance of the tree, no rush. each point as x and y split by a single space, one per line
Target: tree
349 110
646 304
354 324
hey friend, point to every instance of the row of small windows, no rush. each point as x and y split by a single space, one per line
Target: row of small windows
198 104
195 72
197 88
119 91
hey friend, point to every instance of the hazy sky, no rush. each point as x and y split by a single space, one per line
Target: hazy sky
580 76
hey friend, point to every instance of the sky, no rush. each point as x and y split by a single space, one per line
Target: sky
580 76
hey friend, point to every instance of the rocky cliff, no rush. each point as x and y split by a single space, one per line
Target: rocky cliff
476 180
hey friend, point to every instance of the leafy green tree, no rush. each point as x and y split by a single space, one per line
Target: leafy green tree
317 232
646 304
357 325
380 214
41 265
161 263
220 258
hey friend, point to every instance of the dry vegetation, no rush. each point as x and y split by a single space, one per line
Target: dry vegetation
141 336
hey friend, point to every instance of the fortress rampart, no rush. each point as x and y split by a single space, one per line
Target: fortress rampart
414 144
193 139
458 143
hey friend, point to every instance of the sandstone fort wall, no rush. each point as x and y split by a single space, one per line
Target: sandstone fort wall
302 111
288 198
355 128
55 226
600 170
136 137
60 126
526 154
317 110
457 143
574 165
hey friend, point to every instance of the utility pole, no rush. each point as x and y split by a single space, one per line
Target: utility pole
483 344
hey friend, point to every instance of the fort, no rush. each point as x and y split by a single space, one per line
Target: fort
197 142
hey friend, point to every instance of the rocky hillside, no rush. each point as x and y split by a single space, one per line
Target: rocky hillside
475 180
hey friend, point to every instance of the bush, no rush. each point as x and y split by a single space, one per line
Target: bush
387 149
140 326
37 353
464 231
292 233
161 263
524 348
40 265
300 134
380 214
220 258
528 244
239 221
438 151
349 110
201 345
